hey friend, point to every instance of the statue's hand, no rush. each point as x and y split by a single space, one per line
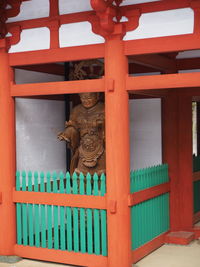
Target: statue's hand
61 136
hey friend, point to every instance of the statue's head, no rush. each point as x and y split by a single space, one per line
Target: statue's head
89 100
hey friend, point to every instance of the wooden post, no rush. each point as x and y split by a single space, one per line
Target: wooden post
177 152
7 159
117 154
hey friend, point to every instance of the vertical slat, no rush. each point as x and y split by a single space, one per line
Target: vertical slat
89 217
69 215
62 216
30 211
19 211
96 218
55 213
43 214
49 214
103 218
24 213
37 215
75 215
82 217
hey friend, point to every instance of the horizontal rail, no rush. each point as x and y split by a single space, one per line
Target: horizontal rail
55 88
167 81
57 55
147 194
81 259
57 199
196 176
162 44
144 250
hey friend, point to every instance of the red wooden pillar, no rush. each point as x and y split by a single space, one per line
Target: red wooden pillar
177 152
117 154
7 158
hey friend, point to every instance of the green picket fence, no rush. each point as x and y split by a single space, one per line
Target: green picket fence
150 218
196 163
59 227
196 185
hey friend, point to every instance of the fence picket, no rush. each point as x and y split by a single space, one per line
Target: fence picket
62 215
96 218
19 211
24 213
69 215
49 214
89 217
30 211
55 213
75 214
43 214
37 215
103 218
82 217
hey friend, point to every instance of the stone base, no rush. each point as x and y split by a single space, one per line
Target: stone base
179 238
10 259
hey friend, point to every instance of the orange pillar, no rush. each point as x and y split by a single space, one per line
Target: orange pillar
117 154
177 152
7 159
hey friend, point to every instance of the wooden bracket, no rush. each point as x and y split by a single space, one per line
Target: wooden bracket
113 206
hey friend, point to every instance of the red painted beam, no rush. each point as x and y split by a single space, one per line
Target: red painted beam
57 55
167 81
149 193
60 256
146 249
56 88
162 44
78 201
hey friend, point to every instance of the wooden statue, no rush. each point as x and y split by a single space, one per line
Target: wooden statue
85 134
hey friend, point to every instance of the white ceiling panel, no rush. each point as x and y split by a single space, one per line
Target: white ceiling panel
32 39
73 6
75 34
133 2
165 23
32 10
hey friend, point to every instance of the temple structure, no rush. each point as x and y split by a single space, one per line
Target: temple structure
150 49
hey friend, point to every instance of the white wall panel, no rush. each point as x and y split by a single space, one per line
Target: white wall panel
32 39
165 23
31 10
73 6
75 34
145 133
131 2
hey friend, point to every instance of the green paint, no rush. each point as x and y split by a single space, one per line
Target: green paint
62 215
82 217
49 215
69 215
36 215
43 214
96 219
55 213
89 217
30 211
75 215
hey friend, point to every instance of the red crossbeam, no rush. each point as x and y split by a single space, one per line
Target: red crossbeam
149 193
69 200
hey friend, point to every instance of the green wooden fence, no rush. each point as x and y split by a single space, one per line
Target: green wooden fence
196 185
58 227
150 218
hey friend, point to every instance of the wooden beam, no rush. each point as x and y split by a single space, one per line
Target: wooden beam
157 62
55 88
162 44
55 69
188 63
57 55
167 81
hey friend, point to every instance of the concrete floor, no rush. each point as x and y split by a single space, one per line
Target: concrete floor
166 256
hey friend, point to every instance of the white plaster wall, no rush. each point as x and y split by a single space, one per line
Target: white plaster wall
37 123
145 133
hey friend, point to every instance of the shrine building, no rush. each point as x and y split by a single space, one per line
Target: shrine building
149 82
